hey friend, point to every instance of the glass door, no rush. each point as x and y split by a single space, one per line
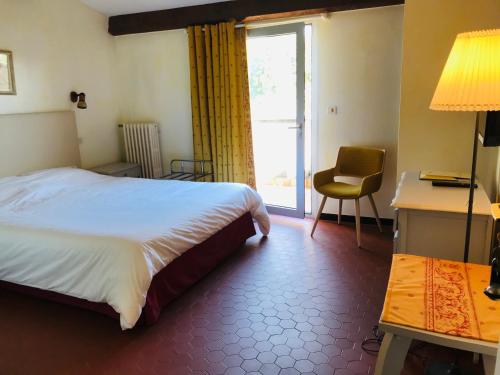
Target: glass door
276 66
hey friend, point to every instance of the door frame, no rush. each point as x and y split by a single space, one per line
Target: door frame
296 28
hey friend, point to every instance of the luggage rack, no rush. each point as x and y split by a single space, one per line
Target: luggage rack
190 170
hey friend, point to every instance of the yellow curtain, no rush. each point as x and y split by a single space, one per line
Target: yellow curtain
220 101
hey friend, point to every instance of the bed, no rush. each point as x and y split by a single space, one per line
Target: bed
121 246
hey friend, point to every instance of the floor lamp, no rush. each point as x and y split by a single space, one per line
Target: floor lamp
470 82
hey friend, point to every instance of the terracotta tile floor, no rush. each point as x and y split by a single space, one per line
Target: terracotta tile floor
288 304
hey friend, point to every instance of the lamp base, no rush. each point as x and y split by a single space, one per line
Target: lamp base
493 291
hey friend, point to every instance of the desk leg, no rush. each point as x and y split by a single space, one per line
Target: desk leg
392 355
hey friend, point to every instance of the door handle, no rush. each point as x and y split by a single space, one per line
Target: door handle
295 127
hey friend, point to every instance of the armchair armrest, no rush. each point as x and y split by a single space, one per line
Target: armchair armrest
371 184
323 177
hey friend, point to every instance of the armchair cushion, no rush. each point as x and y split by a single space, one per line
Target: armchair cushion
362 162
340 190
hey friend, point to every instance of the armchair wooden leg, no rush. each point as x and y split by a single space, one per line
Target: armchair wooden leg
372 202
340 211
320 210
358 223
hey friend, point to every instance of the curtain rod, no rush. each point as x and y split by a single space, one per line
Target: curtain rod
274 21
236 26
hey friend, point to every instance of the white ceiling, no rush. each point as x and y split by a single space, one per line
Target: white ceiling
115 7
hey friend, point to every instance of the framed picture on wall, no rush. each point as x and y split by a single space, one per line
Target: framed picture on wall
7 82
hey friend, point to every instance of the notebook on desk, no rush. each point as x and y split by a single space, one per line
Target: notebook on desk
444 176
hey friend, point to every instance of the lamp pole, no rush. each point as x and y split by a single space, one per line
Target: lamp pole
471 191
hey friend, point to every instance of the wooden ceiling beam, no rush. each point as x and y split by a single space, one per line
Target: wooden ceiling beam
238 10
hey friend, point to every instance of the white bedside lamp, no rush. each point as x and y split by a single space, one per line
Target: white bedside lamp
470 81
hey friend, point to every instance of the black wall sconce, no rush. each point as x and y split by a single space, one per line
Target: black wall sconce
80 98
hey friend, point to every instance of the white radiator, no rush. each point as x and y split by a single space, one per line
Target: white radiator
142 146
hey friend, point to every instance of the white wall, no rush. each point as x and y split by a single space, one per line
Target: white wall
59 46
358 63
433 139
153 85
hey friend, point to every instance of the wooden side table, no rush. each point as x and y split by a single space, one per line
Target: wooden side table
119 170
440 302
397 340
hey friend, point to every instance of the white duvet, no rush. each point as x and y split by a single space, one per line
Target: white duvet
103 238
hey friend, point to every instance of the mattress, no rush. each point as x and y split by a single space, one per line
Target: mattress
102 238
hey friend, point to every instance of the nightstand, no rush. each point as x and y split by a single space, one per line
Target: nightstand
119 170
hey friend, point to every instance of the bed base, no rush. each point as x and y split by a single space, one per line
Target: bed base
171 281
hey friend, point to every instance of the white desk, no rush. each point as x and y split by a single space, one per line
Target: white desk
430 221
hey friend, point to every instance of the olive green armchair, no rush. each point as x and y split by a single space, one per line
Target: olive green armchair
361 162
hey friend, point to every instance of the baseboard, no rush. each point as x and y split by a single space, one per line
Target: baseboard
352 219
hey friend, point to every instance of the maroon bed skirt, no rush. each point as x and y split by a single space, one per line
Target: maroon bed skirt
171 281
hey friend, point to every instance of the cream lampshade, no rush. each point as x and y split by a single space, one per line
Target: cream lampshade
470 81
